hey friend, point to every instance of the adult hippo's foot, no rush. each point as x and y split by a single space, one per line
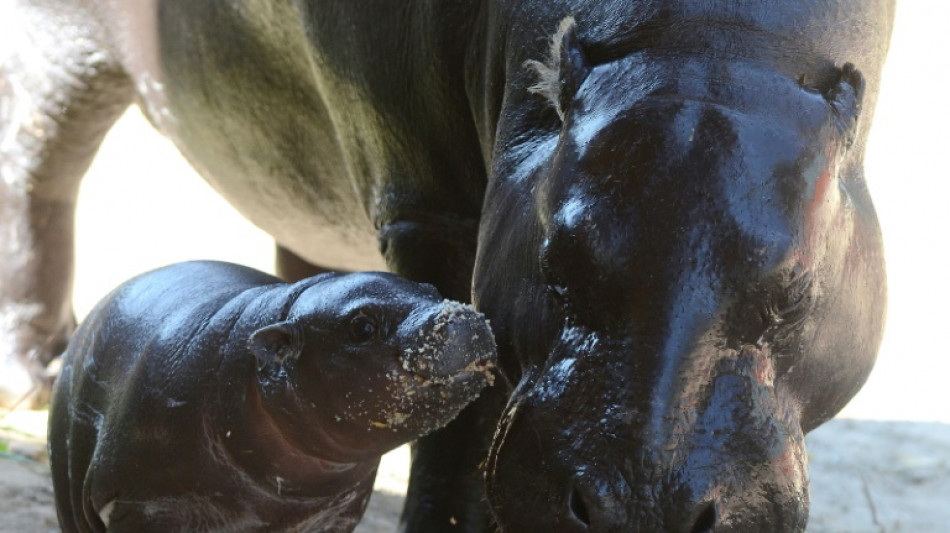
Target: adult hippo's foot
29 360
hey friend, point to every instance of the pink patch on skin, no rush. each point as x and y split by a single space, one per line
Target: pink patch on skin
788 463
761 365
813 216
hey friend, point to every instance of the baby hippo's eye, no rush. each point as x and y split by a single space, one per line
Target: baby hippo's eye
363 328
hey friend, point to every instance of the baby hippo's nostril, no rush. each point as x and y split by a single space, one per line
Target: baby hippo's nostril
579 507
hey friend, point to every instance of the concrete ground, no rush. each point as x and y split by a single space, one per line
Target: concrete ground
883 466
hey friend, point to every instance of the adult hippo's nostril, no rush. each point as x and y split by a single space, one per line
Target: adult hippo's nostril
705 520
592 511
596 502
578 507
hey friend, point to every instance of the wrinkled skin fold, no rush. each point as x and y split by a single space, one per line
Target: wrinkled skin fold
659 204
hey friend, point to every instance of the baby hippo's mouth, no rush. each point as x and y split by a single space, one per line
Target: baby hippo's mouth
455 345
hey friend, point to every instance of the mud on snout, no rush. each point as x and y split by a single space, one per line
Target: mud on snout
448 357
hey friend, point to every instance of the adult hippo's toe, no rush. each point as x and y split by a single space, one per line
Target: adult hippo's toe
27 367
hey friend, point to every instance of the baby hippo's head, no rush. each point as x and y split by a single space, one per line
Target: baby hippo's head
368 361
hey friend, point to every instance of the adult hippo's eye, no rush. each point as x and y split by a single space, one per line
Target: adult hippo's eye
796 299
773 312
790 305
363 328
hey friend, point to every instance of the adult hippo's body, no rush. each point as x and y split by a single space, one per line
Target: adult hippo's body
660 206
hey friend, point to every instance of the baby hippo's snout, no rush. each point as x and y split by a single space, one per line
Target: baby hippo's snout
450 340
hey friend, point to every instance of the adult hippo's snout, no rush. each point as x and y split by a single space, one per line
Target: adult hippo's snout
724 453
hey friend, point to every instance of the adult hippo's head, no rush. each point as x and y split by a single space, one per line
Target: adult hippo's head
684 274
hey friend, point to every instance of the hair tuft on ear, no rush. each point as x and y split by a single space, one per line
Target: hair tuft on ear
565 68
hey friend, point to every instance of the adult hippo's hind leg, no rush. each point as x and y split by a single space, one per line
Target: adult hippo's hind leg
60 91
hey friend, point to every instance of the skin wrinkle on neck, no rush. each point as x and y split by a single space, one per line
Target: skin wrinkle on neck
269 437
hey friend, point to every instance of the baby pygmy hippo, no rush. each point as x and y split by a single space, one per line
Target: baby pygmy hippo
210 396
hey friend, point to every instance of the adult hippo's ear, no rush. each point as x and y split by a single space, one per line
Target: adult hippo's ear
561 75
276 343
845 98
574 65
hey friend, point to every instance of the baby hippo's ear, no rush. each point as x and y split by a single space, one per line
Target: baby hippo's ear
276 343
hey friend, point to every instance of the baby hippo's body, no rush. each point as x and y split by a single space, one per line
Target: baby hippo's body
207 396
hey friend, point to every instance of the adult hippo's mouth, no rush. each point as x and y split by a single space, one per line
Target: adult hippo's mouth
727 455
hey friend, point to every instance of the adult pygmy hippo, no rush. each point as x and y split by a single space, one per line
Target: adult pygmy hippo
209 396
660 205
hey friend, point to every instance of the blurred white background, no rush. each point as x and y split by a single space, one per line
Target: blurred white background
142 207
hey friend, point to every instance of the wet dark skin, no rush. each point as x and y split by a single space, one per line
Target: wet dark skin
207 396
672 236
